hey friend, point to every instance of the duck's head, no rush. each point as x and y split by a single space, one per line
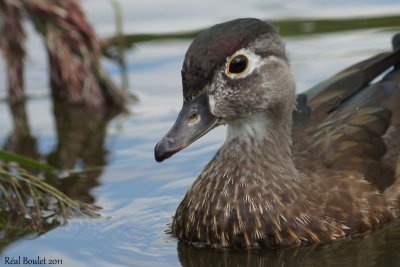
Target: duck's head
230 71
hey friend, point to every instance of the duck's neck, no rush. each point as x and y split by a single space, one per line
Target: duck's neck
258 139
248 191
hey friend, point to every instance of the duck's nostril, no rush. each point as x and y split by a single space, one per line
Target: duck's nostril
193 118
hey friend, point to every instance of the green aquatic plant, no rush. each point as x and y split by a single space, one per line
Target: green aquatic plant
25 161
26 194
30 205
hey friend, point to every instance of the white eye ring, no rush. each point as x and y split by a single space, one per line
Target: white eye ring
253 61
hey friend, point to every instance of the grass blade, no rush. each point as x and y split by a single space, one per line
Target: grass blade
21 160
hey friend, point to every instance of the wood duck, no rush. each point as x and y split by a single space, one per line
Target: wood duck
294 170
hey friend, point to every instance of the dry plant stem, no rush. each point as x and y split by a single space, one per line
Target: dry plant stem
12 38
76 75
74 55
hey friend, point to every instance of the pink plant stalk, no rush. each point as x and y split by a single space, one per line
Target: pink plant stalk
76 75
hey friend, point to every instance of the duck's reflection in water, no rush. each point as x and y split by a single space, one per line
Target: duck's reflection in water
376 249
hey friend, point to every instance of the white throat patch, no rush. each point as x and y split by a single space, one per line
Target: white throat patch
211 102
254 127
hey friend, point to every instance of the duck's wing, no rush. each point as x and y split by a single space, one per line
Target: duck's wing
328 95
346 118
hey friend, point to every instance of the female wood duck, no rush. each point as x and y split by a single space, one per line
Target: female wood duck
290 173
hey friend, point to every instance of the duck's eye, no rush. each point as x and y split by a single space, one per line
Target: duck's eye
238 64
